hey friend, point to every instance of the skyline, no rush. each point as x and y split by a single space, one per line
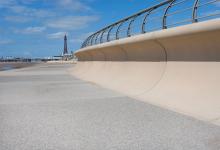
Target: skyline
35 28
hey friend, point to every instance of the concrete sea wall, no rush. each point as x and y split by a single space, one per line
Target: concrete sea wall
176 68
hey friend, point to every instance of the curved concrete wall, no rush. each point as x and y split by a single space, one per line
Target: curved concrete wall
177 68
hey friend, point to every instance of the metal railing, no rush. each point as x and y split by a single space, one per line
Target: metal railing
167 14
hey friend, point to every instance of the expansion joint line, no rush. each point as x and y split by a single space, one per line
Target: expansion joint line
124 51
164 70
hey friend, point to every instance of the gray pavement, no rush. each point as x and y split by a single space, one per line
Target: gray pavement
45 108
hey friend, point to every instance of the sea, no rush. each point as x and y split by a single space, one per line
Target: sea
4 67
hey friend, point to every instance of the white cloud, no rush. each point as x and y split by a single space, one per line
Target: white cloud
19 5
42 13
6 3
80 38
75 5
31 12
4 41
31 30
210 13
28 1
19 19
72 22
58 35
19 9
27 54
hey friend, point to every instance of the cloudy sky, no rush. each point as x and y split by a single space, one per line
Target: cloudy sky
35 28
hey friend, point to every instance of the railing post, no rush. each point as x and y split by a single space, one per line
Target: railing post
108 35
97 35
91 40
95 38
144 21
165 14
117 32
88 39
129 26
84 43
101 38
194 11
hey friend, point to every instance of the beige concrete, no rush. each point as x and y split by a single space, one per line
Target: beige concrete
177 68
61 62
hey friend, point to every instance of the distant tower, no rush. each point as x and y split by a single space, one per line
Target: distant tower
65 51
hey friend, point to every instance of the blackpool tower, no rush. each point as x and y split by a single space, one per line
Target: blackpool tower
65 51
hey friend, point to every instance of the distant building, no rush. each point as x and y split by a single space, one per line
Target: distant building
65 50
66 56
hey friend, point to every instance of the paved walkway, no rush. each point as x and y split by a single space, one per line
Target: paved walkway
45 108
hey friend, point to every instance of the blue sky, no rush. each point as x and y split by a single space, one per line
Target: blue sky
35 28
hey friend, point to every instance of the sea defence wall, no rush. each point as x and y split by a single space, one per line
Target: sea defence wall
176 68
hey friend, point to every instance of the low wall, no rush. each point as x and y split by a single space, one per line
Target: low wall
177 68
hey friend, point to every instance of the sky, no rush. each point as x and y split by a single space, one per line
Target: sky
35 28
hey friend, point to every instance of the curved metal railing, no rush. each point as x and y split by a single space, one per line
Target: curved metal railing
167 14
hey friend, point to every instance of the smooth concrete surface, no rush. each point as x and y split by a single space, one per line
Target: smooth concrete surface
45 108
176 68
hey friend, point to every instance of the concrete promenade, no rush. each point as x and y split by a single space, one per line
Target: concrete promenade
45 108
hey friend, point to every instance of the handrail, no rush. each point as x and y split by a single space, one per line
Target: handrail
195 16
195 7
